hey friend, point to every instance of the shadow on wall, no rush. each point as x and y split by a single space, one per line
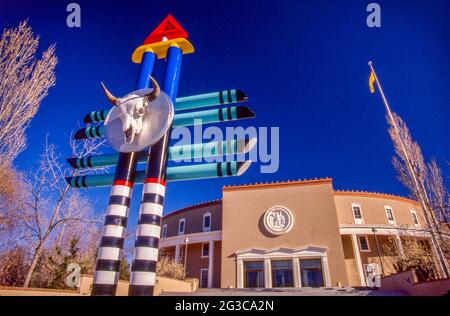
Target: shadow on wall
263 229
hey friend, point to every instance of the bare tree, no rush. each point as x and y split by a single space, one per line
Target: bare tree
424 183
439 195
13 267
52 209
89 250
8 189
9 204
24 82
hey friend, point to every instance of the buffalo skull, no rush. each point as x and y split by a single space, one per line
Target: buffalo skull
134 106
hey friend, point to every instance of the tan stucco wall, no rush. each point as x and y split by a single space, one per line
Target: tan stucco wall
194 219
372 208
373 213
318 213
172 285
371 256
407 281
315 223
19 291
350 263
163 284
367 257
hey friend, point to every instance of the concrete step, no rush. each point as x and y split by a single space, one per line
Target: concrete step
324 291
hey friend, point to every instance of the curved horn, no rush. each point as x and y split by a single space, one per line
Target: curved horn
156 90
109 96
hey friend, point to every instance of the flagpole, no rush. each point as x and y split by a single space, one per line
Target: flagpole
430 222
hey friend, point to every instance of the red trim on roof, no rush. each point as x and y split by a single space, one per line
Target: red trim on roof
193 207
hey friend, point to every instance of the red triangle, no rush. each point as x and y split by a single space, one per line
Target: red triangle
169 28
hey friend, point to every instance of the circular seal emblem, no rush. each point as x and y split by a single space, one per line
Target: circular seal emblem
278 220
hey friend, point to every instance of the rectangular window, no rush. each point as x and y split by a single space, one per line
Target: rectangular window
207 222
389 215
363 243
414 218
204 278
357 213
311 272
205 250
254 274
282 274
164 231
181 226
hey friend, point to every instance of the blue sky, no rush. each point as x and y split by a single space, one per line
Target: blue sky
303 65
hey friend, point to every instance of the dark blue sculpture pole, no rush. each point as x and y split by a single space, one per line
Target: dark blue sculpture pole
110 252
145 257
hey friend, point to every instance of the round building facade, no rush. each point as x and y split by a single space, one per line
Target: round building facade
291 234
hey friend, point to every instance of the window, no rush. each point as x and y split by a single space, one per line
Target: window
181 226
414 218
389 215
207 222
311 272
357 214
282 275
363 243
204 278
205 250
254 274
164 231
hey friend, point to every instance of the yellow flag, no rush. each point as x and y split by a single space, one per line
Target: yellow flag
371 81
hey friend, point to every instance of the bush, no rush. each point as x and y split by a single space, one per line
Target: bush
416 255
168 267
13 267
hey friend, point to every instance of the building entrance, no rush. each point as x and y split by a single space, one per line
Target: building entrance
254 274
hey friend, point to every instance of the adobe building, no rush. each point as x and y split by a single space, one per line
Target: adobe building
290 234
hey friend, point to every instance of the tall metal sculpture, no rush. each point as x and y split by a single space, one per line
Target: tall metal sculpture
139 127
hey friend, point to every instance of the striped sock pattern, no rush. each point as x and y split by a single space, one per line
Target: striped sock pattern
110 253
145 256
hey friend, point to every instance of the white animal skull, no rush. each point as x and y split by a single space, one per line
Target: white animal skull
134 106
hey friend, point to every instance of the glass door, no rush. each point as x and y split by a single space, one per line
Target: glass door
254 274
311 272
282 275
